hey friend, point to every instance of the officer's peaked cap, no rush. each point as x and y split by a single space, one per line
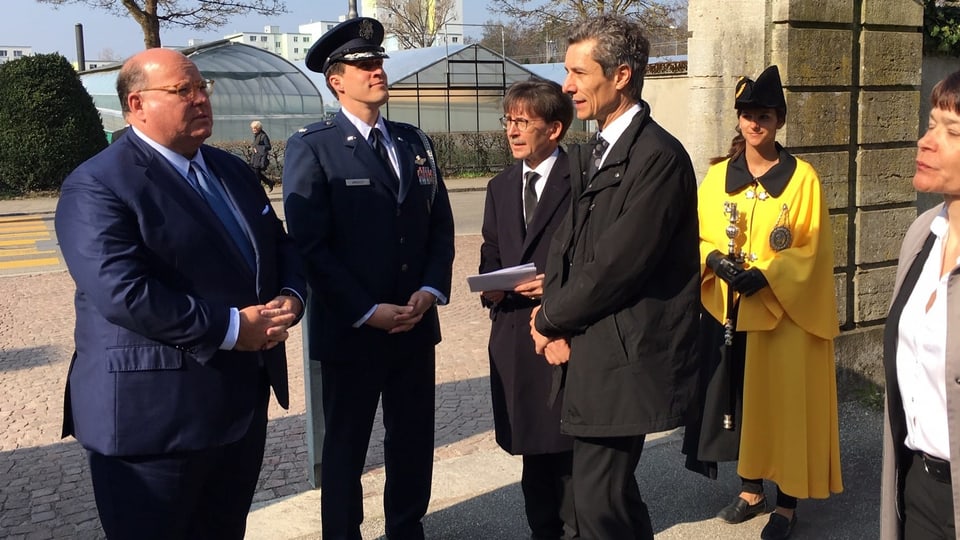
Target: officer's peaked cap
352 40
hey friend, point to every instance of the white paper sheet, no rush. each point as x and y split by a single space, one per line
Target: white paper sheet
504 279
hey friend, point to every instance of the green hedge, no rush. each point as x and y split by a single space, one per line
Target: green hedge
458 154
48 124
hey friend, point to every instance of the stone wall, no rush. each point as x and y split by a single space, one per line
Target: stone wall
852 73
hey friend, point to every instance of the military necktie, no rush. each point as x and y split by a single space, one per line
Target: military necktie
376 141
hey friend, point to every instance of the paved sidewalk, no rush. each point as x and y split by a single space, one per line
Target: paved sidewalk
45 487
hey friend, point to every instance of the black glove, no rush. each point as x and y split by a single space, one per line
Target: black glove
749 282
723 267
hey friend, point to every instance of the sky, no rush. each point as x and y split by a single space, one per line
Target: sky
48 29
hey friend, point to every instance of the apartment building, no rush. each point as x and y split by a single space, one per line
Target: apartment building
12 52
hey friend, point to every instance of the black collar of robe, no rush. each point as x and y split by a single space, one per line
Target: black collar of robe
773 181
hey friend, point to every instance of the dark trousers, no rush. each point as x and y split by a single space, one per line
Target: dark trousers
928 506
184 495
606 495
548 495
405 381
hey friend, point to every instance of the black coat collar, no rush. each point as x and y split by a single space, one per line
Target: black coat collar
773 181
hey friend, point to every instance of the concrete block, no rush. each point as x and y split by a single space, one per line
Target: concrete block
812 56
838 226
859 355
886 176
830 11
882 118
833 168
872 290
893 12
880 232
817 119
840 287
890 58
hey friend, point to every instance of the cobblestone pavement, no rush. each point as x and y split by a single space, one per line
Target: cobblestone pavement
45 487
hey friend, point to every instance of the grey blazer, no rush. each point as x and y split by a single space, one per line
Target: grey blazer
895 453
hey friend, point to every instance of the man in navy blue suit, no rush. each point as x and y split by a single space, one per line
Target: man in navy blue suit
186 286
365 203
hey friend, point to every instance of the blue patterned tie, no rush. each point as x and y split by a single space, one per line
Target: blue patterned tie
222 208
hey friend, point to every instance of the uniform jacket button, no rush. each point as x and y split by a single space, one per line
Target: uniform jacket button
403 267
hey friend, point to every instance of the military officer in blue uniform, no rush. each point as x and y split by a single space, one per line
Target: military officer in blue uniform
366 204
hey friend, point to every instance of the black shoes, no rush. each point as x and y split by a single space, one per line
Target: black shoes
740 510
779 527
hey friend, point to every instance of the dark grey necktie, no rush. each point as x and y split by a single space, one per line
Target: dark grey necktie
596 156
204 184
376 141
530 195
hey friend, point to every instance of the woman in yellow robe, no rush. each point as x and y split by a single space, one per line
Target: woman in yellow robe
780 276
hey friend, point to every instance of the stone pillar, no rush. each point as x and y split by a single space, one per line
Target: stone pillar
851 71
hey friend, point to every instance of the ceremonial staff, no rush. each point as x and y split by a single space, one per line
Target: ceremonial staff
729 324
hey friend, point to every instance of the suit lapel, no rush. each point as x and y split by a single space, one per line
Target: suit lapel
234 194
407 166
556 188
172 185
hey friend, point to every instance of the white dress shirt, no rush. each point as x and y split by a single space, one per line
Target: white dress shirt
921 353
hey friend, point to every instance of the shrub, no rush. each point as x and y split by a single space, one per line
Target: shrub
941 27
48 124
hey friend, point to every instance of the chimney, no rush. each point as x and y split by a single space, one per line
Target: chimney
81 61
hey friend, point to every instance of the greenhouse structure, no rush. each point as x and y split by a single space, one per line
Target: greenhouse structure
249 84
445 89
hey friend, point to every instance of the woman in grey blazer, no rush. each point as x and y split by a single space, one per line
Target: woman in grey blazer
921 447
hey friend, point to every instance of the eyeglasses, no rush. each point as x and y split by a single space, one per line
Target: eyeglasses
521 123
186 91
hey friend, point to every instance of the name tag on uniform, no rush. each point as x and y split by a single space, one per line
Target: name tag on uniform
358 181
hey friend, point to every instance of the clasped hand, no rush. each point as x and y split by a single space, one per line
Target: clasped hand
396 319
556 351
263 327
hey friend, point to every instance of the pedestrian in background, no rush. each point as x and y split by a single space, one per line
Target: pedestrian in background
367 206
778 380
921 345
621 281
260 154
525 204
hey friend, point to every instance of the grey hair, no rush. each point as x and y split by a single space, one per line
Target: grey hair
619 41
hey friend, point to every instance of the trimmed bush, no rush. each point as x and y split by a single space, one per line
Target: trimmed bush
48 124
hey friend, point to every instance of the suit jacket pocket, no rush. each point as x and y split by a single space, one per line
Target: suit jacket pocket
143 358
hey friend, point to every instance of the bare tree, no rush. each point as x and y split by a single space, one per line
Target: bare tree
416 23
151 15
557 15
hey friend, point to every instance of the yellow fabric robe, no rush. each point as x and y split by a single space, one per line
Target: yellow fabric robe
789 429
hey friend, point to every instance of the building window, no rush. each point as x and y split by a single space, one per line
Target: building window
296 39
277 45
253 38
306 39
17 54
454 39
3 52
296 50
263 38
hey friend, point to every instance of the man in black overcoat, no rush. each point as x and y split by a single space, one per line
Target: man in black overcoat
367 207
525 204
622 280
